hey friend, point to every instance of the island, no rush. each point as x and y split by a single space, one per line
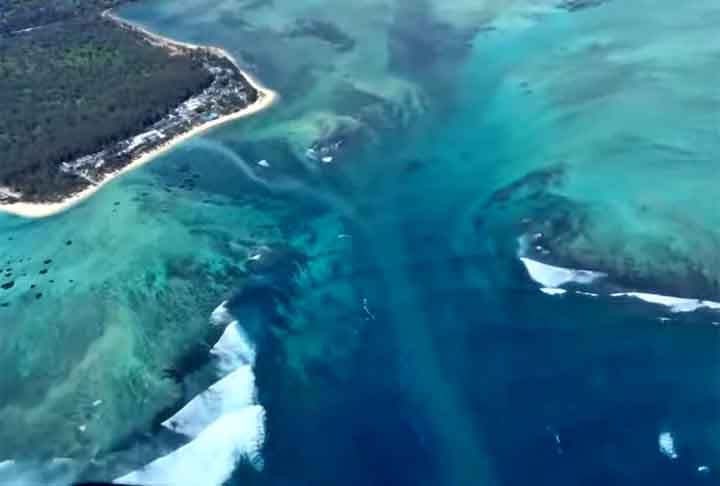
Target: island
86 96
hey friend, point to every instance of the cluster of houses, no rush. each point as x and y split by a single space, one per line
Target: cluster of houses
228 92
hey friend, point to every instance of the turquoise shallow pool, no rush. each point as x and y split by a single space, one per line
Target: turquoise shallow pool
372 262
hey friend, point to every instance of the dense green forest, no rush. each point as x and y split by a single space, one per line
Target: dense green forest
23 14
75 85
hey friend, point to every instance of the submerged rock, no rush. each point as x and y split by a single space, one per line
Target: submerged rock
577 5
324 31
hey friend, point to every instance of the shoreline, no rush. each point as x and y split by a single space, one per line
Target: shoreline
266 98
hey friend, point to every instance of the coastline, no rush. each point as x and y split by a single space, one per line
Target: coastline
266 98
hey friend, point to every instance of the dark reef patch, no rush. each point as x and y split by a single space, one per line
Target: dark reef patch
564 232
257 4
324 31
577 5
529 186
418 41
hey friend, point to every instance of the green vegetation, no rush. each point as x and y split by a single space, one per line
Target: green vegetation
74 86
23 14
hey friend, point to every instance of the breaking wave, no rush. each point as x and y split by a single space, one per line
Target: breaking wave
225 423
552 278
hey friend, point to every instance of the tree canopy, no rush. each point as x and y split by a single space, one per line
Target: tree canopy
77 84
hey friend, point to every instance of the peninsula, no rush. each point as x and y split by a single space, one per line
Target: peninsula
127 95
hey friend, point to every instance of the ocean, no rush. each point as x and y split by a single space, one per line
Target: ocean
481 248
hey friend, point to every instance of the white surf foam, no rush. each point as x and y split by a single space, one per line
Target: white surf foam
675 304
233 349
225 422
553 291
231 394
666 445
587 294
550 276
211 458
221 315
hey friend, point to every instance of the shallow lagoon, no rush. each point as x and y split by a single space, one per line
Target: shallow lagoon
399 338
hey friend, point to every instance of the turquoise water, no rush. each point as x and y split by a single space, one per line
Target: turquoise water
399 339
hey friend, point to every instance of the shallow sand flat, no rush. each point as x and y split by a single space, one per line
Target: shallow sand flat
637 190
121 327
